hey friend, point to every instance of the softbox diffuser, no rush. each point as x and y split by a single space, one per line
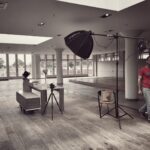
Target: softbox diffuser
80 43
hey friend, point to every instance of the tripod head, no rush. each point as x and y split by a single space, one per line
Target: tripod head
52 86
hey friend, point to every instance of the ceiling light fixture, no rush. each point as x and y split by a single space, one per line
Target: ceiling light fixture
22 39
106 15
41 24
116 5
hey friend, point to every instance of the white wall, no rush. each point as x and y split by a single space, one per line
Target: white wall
108 69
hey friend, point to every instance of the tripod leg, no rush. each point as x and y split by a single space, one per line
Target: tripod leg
101 110
52 106
46 104
99 105
119 122
57 103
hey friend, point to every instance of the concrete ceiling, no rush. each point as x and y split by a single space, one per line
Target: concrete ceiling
61 19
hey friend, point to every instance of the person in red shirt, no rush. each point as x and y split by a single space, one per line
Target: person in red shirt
144 87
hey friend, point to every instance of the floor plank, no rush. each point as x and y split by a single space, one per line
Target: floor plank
79 128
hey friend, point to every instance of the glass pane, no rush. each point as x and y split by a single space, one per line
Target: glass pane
42 67
3 69
91 57
49 56
71 65
90 67
54 56
64 56
77 57
29 64
20 64
12 65
78 66
55 71
42 57
84 66
64 65
71 56
50 67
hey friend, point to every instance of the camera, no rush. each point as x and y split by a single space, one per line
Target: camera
52 86
25 74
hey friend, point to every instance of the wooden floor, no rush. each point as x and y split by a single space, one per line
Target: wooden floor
79 128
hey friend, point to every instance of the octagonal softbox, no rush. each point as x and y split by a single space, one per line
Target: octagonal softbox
80 43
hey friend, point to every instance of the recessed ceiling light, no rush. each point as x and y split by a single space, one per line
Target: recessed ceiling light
59 35
105 15
22 39
116 5
41 24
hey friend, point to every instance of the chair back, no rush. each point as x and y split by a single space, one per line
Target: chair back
107 96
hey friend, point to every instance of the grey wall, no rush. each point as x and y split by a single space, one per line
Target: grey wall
108 69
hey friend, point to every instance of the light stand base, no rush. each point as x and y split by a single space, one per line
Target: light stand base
117 116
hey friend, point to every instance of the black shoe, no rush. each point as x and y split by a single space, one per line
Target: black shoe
145 115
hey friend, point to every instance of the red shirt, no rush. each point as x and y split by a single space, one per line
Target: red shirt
145 73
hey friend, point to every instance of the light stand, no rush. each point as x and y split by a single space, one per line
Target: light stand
81 43
117 106
51 97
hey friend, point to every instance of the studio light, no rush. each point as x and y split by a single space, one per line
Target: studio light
141 46
80 43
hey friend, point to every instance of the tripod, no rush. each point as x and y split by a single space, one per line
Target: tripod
52 97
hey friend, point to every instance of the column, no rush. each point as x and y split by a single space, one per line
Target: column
95 65
60 78
131 66
59 66
36 66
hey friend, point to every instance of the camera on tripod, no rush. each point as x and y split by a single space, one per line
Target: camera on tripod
51 98
52 86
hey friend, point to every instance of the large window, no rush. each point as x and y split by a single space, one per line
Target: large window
28 66
71 64
43 67
55 69
78 66
3 68
50 67
12 65
64 65
21 64
90 67
84 67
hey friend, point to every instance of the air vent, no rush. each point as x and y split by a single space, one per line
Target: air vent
3 5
